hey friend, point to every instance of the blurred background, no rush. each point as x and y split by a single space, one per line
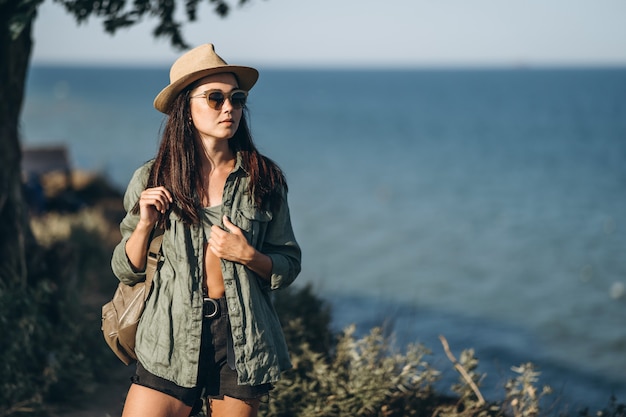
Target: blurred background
455 167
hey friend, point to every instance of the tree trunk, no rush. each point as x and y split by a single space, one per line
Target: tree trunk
15 234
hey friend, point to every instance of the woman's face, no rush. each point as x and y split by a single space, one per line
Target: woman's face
215 123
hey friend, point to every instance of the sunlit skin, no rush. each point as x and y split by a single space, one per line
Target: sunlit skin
213 129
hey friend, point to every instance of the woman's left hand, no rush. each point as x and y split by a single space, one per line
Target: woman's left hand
231 245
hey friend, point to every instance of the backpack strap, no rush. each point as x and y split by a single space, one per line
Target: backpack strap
153 257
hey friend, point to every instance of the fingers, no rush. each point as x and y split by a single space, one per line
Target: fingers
158 197
227 244
152 202
231 226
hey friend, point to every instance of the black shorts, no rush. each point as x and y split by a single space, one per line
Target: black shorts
216 378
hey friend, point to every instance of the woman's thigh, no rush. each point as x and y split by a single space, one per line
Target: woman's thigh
233 407
143 401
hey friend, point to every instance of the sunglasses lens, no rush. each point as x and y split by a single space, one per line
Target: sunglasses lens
216 99
238 99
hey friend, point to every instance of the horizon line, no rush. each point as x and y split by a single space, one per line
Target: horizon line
357 66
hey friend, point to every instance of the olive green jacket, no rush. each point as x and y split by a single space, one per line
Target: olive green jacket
169 334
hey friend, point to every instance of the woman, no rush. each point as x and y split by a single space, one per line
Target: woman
209 329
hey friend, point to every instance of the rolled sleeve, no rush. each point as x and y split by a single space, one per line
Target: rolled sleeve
285 269
281 246
122 268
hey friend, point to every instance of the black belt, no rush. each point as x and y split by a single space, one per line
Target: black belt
212 308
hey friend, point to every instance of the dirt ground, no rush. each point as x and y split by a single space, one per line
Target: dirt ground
107 400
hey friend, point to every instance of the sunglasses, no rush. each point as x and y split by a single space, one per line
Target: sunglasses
216 98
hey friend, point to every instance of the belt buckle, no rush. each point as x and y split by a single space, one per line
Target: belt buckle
210 308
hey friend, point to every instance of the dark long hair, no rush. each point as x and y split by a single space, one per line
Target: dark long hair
177 163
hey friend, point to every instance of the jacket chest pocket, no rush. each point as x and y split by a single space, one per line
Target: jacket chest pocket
253 222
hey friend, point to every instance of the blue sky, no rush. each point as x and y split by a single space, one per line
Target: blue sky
362 33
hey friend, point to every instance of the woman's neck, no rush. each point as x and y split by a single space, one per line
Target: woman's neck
217 155
216 165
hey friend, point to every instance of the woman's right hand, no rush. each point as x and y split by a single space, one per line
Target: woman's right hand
152 202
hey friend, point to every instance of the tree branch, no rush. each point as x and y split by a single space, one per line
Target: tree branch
461 370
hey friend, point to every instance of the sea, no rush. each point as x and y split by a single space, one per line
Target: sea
484 205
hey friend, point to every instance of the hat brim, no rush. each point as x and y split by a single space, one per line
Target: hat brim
246 77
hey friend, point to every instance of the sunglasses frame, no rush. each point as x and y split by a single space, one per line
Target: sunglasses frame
229 96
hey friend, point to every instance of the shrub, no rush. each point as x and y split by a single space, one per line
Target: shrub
51 347
362 377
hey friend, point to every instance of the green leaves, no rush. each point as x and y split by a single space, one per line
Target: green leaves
522 397
20 14
359 377
118 14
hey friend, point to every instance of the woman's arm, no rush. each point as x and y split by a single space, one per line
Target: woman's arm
152 202
127 271
278 259
233 246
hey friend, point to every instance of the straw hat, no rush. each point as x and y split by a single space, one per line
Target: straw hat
196 64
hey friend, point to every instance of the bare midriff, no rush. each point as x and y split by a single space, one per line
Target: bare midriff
213 279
